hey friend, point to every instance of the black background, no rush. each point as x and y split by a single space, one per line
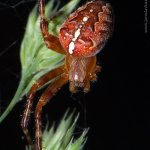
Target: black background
117 109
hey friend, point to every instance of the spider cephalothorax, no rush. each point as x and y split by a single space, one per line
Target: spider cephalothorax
81 37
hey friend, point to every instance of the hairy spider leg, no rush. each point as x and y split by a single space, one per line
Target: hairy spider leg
51 41
46 96
39 83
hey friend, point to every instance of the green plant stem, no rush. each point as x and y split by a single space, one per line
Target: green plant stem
13 102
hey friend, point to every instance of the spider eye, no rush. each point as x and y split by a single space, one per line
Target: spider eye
86 31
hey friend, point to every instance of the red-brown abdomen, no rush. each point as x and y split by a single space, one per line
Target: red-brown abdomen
86 31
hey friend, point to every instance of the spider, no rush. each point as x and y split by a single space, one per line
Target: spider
81 37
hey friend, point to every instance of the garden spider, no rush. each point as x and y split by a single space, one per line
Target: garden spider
81 37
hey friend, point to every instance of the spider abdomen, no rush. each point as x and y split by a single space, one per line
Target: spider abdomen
86 31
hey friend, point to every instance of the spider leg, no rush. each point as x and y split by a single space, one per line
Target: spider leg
51 41
92 70
30 98
46 96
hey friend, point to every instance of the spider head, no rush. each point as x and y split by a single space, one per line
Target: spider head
81 71
77 71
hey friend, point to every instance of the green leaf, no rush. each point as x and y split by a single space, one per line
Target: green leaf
36 59
62 138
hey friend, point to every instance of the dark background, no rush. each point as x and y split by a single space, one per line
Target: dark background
117 109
